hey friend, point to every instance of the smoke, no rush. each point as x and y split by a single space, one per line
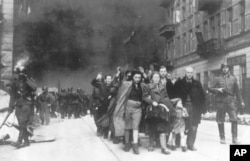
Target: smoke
21 63
82 35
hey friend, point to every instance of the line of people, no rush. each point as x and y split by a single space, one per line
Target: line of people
134 101
67 102
167 110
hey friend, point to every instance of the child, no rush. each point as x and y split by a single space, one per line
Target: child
178 125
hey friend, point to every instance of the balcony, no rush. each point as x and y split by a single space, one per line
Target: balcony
165 3
209 5
210 48
167 30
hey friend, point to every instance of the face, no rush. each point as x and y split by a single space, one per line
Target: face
128 76
137 78
225 70
163 72
108 80
156 78
189 73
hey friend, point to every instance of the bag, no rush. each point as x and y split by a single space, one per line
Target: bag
104 121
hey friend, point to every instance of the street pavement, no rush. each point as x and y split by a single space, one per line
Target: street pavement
76 140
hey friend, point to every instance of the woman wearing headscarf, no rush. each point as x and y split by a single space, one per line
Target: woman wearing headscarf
157 117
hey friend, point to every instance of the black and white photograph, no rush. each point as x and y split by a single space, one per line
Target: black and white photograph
124 80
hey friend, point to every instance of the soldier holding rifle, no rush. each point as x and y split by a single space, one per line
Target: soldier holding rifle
227 94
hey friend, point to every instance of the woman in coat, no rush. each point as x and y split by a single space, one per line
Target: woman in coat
157 117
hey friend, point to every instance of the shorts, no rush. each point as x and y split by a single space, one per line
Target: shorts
133 113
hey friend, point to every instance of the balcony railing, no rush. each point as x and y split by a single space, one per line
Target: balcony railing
209 5
167 30
166 3
212 47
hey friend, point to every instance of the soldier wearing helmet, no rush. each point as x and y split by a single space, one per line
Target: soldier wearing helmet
227 92
45 100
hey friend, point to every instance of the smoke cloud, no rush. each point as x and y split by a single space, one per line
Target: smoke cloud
88 35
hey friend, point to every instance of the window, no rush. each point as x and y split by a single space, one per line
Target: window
212 27
247 15
205 30
178 47
198 76
184 14
242 15
229 19
206 79
236 19
217 26
184 44
191 48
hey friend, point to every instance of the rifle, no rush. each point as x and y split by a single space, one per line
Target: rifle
5 119
4 109
216 90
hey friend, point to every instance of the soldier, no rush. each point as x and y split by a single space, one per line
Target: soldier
22 99
62 103
45 100
76 103
227 94
54 104
68 102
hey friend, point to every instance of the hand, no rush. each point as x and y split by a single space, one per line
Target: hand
155 103
109 97
220 90
243 105
99 76
141 69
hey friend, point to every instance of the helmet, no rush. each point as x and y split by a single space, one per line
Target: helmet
45 88
224 65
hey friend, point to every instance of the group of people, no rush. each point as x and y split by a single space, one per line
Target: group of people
66 102
26 102
167 110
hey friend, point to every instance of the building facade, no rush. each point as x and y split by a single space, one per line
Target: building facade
206 33
11 11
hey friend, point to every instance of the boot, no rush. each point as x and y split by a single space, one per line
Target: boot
151 143
222 133
234 129
127 147
127 141
135 148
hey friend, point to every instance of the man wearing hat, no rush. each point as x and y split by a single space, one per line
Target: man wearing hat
227 92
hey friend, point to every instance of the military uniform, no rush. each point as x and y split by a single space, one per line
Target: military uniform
45 101
62 103
23 113
22 98
226 102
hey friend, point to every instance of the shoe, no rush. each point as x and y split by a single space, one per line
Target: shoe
16 144
235 141
166 152
192 148
184 149
223 141
135 148
127 147
116 140
173 148
150 148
